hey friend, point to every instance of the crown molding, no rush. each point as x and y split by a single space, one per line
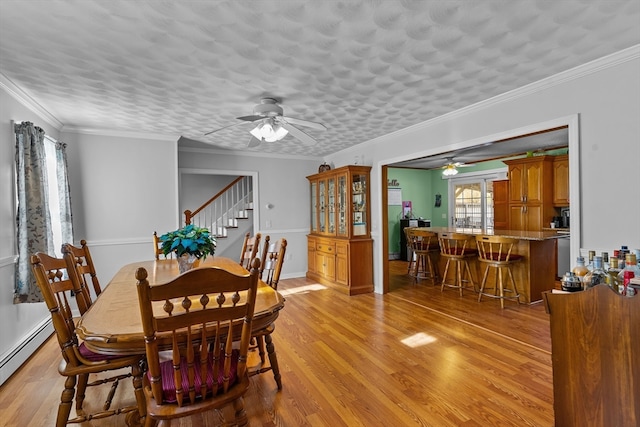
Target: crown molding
23 98
221 151
120 134
578 72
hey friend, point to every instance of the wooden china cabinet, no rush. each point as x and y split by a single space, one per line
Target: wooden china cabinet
339 244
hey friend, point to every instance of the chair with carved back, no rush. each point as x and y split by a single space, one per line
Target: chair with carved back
157 246
458 249
79 258
249 250
57 283
407 231
201 313
497 252
272 259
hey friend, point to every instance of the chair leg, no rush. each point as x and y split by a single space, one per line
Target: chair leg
81 388
466 264
501 287
66 399
513 282
484 282
273 360
432 270
137 371
460 271
444 275
260 345
240 413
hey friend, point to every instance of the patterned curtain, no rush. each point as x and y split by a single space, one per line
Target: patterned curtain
33 220
64 194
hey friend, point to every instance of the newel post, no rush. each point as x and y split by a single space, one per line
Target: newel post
187 217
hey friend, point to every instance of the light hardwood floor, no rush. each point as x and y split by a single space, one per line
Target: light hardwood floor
413 357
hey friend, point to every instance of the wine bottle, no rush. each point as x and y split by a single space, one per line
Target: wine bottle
580 269
597 276
613 272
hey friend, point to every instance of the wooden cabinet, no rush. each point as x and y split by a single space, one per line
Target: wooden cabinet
530 193
339 248
561 180
501 205
594 351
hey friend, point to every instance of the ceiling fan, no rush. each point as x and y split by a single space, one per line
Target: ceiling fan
451 168
273 125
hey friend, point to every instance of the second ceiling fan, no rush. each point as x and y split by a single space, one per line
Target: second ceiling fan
273 125
451 167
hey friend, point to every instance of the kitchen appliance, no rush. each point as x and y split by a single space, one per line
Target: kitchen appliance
564 214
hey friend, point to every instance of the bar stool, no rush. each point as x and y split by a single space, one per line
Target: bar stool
424 244
496 252
409 250
458 249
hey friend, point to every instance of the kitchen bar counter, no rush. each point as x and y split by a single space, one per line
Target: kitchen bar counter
536 272
545 234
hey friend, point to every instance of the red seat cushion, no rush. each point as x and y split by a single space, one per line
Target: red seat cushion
168 383
467 251
95 357
496 256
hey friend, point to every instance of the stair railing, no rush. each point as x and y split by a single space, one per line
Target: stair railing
223 210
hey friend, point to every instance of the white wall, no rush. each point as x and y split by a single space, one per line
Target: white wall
122 190
23 327
281 182
605 95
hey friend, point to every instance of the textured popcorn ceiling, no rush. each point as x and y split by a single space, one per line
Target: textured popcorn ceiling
363 68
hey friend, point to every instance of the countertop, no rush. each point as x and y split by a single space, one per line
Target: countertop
547 234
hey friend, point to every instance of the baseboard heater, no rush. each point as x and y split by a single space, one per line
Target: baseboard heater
21 352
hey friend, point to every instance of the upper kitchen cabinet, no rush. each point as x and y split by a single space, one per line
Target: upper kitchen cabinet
561 180
530 192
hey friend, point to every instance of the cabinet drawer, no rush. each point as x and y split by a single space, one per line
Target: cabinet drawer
342 249
327 247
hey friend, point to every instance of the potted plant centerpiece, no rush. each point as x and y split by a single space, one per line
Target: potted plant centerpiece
190 243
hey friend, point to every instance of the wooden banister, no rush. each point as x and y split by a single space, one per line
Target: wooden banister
188 214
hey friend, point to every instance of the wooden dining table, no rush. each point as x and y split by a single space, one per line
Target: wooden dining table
113 326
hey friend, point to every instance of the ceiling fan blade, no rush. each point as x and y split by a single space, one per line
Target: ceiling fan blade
297 133
250 118
222 128
307 123
254 142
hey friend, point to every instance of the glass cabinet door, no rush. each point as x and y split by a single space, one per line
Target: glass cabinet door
342 206
359 204
331 205
314 207
322 215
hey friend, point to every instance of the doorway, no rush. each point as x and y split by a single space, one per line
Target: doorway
515 136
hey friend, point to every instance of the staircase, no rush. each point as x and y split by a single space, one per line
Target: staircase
228 215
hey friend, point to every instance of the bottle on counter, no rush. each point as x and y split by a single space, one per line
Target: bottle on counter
605 261
592 255
621 256
631 264
597 276
580 269
626 288
613 272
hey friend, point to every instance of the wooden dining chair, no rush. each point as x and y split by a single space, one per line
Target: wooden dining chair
79 258
78 362
249 250
216 308
271 261
157 246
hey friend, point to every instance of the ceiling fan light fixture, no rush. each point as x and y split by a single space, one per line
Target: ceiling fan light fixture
269 131
450 170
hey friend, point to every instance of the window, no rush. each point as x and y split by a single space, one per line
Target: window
471 199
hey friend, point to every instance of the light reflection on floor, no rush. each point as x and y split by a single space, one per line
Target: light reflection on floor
418 340
303 289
